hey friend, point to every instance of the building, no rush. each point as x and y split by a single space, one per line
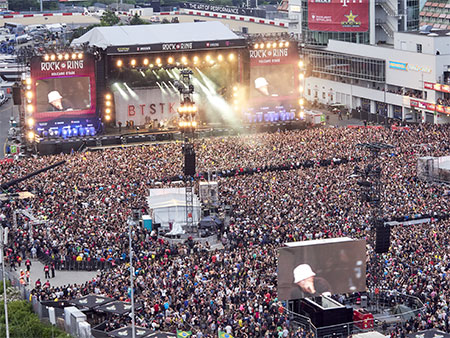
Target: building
407 81
4 5
357 21
436 14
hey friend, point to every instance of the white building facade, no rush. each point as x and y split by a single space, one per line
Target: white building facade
409 81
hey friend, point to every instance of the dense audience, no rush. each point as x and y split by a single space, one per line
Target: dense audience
188 286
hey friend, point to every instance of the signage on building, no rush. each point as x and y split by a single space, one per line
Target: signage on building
338 15
428 85
422 105
406 66
437 86
222 9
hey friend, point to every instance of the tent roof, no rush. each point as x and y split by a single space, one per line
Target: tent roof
91 301
118 307
169 200
126 332
104 37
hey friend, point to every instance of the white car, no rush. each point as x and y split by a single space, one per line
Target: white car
155 19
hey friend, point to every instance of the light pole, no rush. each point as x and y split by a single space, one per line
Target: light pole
3 242
132 221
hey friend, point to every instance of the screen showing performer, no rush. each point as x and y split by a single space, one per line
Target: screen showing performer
321 267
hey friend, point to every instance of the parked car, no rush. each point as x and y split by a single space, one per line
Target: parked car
155 19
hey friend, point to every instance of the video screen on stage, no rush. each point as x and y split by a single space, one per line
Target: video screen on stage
273 84
321 267
266 84
63 94
62 88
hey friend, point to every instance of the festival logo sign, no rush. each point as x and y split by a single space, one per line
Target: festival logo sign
338 15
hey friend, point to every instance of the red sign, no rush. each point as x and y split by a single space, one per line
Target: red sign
428 85
422 105
445 88
440 108
447 110
437 86
338 15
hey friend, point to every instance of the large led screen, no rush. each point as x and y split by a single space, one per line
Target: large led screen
63 88
273 76
321 267
63 94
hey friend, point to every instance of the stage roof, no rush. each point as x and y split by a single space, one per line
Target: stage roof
161 37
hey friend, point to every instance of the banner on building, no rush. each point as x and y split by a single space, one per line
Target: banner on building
338 15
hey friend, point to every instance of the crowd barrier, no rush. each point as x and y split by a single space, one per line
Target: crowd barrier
93 264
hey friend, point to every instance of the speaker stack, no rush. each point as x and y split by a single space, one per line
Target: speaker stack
383 238
189 164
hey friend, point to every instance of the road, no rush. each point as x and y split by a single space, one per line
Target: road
61 277
79 20
6 111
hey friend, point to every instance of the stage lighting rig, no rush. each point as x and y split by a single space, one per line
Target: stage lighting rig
187 123
372 190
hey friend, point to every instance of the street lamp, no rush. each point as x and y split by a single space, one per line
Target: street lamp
3 242
132 221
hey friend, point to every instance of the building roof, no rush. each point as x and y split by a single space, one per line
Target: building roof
434 32
103 37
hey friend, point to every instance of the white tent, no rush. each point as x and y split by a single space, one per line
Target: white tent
168 206
186 32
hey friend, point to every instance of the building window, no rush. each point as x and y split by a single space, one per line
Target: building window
323 95
309 92
419 48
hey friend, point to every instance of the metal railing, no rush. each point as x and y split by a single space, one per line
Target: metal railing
377 303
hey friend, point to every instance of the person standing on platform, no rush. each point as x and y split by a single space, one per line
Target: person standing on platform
47 271
28 264
52 266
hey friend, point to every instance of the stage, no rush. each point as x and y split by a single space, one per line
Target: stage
132 137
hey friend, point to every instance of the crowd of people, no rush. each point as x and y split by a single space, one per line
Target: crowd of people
443 101
187 286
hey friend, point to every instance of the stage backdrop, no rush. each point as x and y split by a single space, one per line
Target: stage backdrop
338 15
144 105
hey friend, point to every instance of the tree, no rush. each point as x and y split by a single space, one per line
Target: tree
136 20
82 30
23 322
109 19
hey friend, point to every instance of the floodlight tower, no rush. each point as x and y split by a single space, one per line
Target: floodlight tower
187 124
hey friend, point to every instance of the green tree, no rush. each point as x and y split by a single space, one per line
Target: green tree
136 20
109 19
23 322
82 30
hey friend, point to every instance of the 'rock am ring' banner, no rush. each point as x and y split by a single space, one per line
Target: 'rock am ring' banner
338 15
